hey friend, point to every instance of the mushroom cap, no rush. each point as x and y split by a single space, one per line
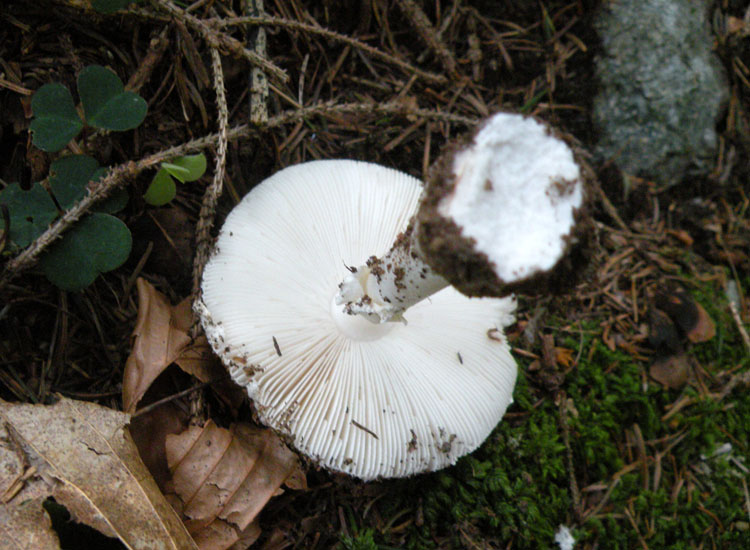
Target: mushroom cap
388 400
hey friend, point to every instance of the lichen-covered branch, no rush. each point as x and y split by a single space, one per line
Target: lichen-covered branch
119 175
333 36
213 191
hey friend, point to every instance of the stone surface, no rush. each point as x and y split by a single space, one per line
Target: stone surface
662 88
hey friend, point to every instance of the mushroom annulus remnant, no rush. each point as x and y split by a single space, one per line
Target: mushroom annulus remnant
339 349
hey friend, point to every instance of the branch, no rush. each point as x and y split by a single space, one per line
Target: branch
119 175
213 191
221 41
425 29
330 35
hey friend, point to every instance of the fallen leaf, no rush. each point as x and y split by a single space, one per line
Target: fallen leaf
223 479
564 356
672 371
704 328
149 432
21 526
687 314
81 455
160 338
199 360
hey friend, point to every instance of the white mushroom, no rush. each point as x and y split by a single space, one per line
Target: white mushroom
353 392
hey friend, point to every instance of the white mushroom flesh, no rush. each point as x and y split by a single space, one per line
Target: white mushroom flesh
517 189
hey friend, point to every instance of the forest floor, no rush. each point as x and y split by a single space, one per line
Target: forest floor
628 426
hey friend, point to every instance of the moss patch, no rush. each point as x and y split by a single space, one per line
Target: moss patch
654 467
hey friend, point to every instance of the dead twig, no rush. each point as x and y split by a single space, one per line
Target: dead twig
610 208
429 35
213 191
258 80
151 406
119 175
740 324
333 36
575 493
156 49
221 41
736 380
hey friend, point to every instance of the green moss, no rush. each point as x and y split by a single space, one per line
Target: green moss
516 487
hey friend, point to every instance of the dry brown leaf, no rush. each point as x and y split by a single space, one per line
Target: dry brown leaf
224 478
82 455
672 371
199 360
24 526
149 432
161 337
704 329
564 356
687 314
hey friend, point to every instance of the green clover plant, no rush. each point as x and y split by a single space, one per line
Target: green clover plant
106 105
99 242
184 169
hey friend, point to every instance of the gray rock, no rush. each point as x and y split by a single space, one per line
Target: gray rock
661 88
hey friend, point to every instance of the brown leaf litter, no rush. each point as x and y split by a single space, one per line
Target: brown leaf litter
675 321
217 479
222 479
161 337
81 455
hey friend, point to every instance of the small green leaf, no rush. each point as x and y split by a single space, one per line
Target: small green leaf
162 189
177 172
109 6
56 120
70 177
186 168
30 212
106 104
96 244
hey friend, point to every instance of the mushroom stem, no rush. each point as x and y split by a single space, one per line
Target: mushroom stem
383 288
496 213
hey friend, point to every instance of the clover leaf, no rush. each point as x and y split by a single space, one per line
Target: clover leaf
115 202
106 104
56 120
30 212
162 189
186 168
96 244
69 178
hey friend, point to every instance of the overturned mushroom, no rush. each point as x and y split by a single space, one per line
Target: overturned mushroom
297 307
496 213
